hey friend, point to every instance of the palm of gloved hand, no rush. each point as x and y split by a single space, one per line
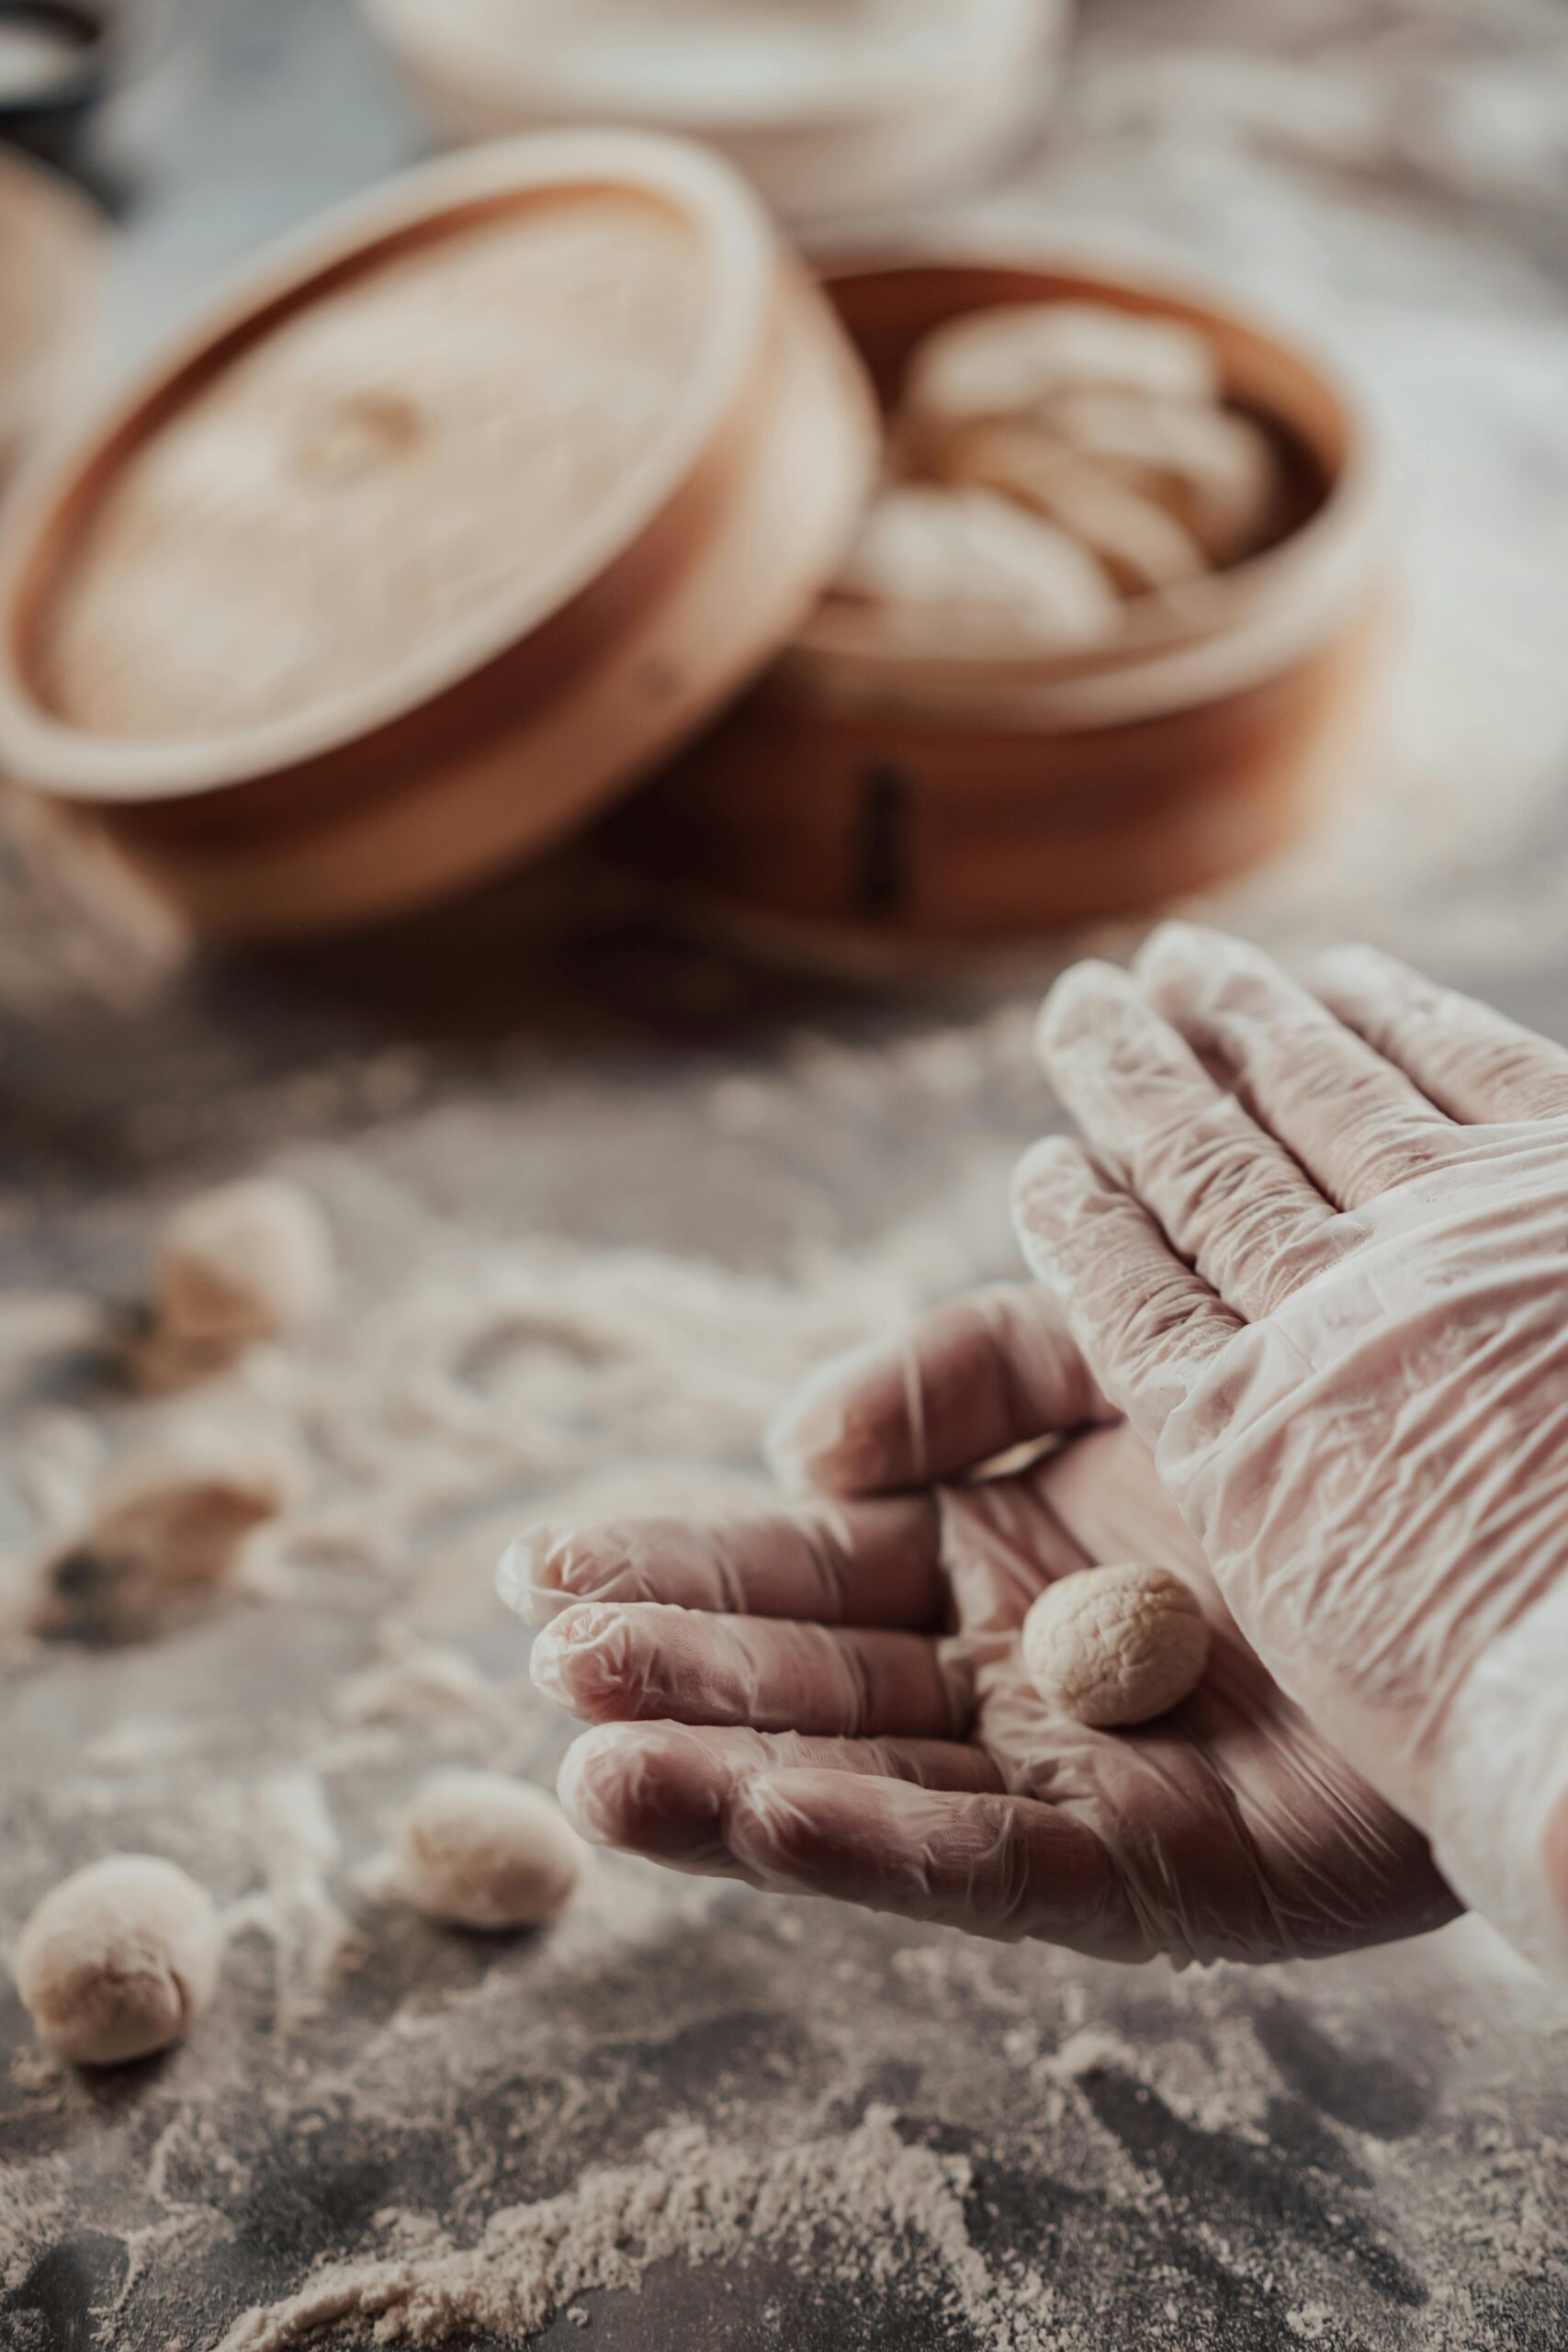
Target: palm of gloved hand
831 1701
1320 1256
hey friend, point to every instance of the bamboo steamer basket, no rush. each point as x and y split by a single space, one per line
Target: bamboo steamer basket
51 244
866 796
701 555
919 104
870 792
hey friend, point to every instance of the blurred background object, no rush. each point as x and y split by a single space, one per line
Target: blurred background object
64 62
302 624
908 783
52 252
435 534
879 789
826 105
56 63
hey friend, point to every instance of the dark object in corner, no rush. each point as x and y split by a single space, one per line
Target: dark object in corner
59 61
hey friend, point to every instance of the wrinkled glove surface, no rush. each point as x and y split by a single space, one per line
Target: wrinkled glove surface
1316 1250
829 1699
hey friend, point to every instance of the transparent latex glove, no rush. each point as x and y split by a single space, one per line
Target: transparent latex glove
827 1700
1318 1253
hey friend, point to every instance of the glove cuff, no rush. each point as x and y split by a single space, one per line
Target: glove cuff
1499 1824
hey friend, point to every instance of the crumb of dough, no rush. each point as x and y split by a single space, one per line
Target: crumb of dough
166 1526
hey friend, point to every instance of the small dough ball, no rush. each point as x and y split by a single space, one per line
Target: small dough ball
1143 547
485 1852
119 1958
969 553
1010 361
249 1262
168 1523
1214 471
1115 1645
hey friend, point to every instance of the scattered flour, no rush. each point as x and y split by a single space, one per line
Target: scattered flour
39 1326
521 1368
859 2198
413 1680
297 1844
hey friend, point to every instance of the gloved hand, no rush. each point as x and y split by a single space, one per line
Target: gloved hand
1318 1254
829 1699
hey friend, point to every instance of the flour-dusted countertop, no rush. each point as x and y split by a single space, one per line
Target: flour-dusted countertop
598 1203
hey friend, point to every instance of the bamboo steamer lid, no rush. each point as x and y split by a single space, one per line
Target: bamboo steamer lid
442 526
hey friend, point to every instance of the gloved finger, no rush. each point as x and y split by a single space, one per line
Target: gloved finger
1159 1798
1357 1125
997 1865
1471 1061
1230 1198
963 1385
1002 1542
855 1564
1146 1323
665 1789
1105 1493
610 1663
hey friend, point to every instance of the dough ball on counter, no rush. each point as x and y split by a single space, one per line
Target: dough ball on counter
482 1850
117 1960
168 1523
1116 1644
1010 359
1141 543
967 552
251 1260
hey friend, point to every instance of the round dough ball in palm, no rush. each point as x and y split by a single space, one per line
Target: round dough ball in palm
485 1852
1010 359
117 1960
1116 1644
969 555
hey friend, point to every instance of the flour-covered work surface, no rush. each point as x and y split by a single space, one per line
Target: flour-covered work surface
681 2113
590 1213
